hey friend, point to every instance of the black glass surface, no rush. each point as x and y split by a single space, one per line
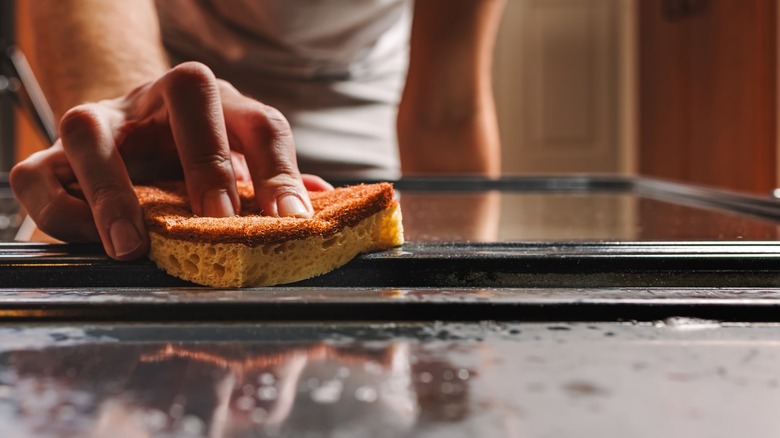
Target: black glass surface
530 232
556 209
517 216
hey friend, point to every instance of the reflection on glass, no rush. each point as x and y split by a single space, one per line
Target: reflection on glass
451 217
564 217
517 216
223 390
551 217
664 221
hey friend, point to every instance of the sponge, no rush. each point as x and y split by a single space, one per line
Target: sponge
255 250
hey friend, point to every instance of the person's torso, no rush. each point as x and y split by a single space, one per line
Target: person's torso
292 38
335 68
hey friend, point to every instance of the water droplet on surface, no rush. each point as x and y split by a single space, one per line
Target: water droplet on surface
47 397
684 323
343 372
328 393
67 413
366 394
463 374
259 415
447 388
267 379
245 403
426 377
372 367
581 388
155 420
270 430
266 393
313 383
176 411
192 426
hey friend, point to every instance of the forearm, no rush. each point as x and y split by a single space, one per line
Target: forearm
89 50
446 120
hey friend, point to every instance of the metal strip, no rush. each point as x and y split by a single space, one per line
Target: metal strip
379 305
747 264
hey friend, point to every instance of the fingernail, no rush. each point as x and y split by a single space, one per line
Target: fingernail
216 203
291 205
124 237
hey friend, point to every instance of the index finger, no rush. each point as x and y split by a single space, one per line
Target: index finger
88 141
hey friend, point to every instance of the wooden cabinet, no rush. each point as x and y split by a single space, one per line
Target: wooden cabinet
708 92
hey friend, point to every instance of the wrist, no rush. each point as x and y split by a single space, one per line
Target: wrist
464 145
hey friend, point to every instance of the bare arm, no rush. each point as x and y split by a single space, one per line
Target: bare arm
90 50
446 119
125 116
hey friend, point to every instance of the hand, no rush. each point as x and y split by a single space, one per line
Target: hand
186 123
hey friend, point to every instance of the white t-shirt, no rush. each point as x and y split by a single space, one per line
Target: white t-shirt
335 68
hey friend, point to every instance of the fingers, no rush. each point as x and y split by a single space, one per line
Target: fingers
38 185
265 138
192 96
88 141
314 183
191 102
202 111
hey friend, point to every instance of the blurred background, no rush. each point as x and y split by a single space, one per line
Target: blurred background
679 89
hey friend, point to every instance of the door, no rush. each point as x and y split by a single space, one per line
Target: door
708 92
560 85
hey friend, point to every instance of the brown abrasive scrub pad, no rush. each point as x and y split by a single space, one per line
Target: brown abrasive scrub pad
255 250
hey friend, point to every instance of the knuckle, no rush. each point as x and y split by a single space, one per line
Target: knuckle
210 161
28 172
284 167
276 120
227 87
266 118
21 174
79 118
107 194
270 125
191 75
282 184
285 183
